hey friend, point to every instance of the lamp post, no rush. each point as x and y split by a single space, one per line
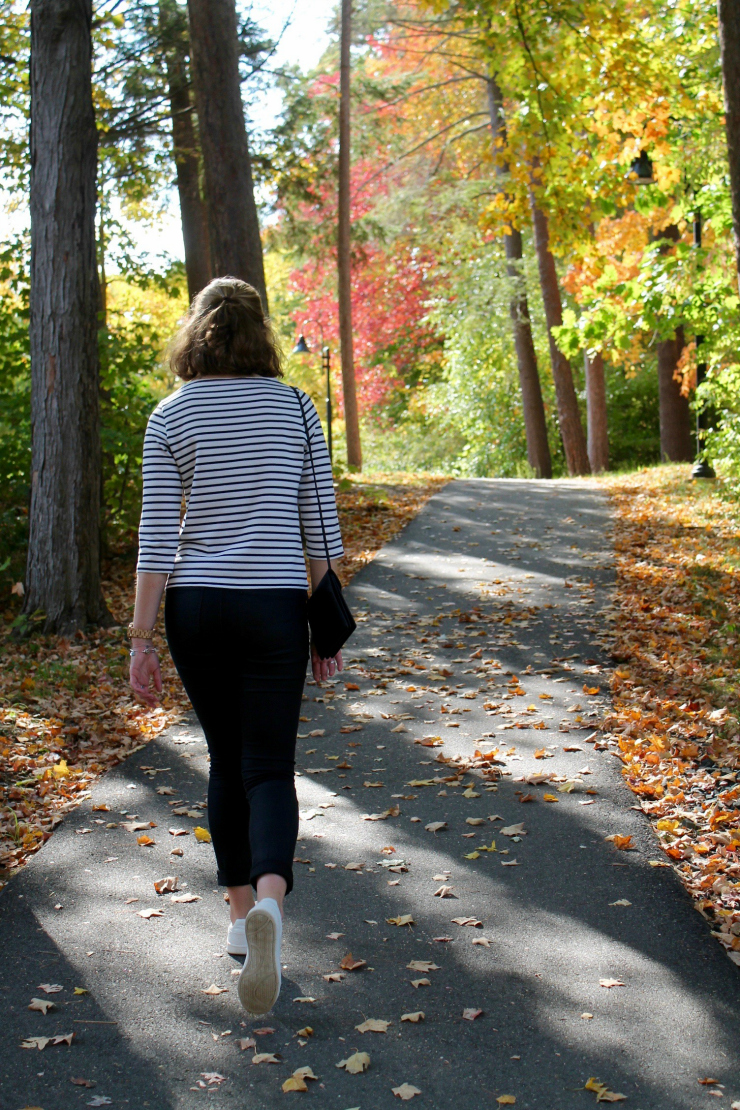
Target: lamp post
701 468
302 348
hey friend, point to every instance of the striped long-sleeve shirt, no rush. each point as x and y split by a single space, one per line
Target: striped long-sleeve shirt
235 449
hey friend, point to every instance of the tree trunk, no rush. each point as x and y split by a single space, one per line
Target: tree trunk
174 31
728 12
236 246
344 251
63 572
675 417
569 418
535 426
598 431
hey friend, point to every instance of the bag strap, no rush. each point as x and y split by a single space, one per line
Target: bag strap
313 471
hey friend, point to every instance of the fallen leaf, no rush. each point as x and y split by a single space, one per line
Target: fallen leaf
42 1042
167 885
444 892
506 1100
265 1031
510 863
470 793
81 990
435 826
473 921
708 1082
146 914
202 835
471 1014
297 1081
334 936
145 841
334 977
307 1031
403 919
247 1042
101 808
603 1094
472 855
355 1064
415 1017
179 832
475 820
620 902
609 983
514 830
42 1005
166 790
349 963
304 998
214 989
405 1091
624 843
550 798
188 897
266 1058
422 965
100 1100
83 1082
586 1016
420 983
51 988
373 1025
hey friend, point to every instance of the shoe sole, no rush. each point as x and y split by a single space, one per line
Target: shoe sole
259 982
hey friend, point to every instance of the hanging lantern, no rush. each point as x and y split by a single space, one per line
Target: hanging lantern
641 170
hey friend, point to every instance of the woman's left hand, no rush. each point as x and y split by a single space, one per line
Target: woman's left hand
144 668
325 668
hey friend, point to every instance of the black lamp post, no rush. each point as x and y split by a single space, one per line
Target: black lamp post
302 348
701 468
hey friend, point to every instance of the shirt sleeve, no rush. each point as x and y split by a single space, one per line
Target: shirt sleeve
159 528
308 503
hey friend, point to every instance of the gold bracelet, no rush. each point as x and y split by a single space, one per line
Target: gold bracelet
140 633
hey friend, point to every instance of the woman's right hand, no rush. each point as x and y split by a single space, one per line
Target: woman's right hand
325 668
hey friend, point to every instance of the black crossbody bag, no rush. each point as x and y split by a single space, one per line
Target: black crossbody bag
329 616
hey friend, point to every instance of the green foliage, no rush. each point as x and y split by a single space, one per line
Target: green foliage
632 408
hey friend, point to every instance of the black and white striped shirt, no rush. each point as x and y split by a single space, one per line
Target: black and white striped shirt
235 449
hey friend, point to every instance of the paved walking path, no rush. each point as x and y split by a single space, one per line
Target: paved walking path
494 579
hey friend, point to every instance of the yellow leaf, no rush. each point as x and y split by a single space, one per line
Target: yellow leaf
60 770
402 919
81 990
472 855
506 1100
550 798
202 835
416 1016
405 1091
265 1058
373 1025
355 1064
145 841
294 1083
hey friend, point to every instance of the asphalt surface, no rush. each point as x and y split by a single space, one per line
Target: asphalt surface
528 567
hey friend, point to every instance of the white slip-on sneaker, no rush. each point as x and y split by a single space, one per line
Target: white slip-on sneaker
236 938
259 982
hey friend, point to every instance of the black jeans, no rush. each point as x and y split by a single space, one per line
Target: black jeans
241 655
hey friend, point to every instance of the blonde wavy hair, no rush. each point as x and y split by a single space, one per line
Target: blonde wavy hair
226 332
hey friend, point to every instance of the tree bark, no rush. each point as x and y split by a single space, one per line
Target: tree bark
728 12
569 418
236 245
598 431
63 572
344 250
675 416
173 26
535 426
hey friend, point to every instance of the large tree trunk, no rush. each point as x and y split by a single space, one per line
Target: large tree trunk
344 251
63 572
569 418
535 426
675 417
236 246
598 430
728 12
173 26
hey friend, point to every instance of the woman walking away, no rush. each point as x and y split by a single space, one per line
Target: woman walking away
232 442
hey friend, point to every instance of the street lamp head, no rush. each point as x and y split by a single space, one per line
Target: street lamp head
641 170
301 347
